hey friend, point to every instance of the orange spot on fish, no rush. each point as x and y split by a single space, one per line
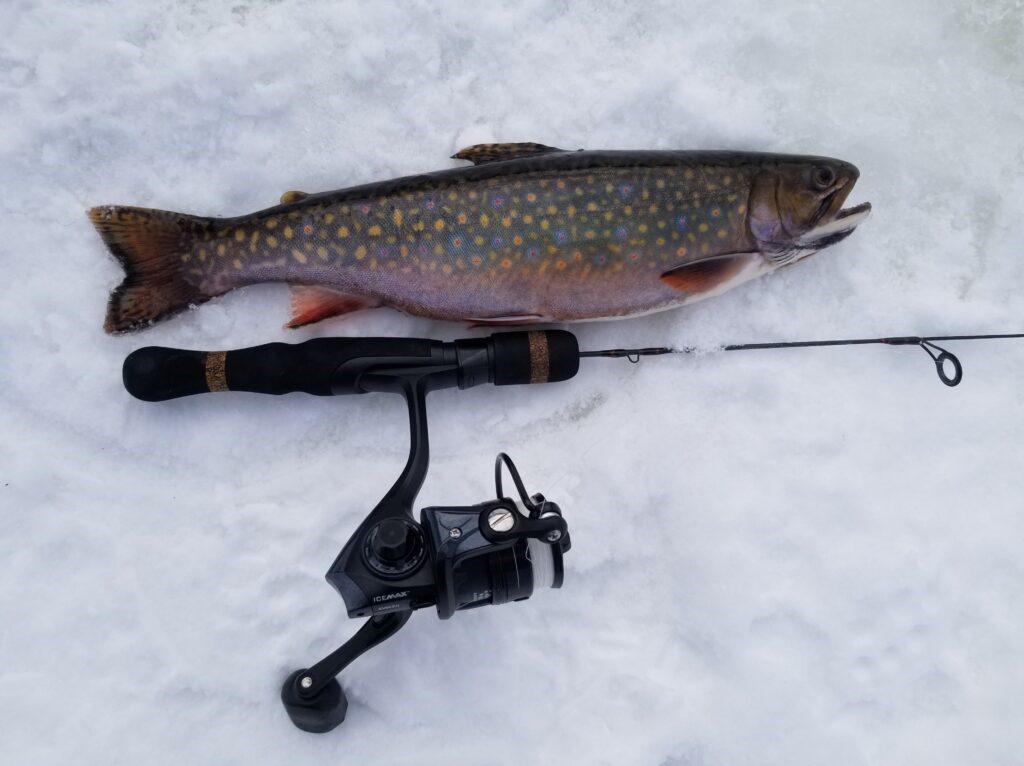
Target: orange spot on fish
374 231
361 252
559 264
439 224
396 217
307 229
446 269
506 263
288 233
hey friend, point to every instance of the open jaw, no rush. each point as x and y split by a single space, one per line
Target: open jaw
837 229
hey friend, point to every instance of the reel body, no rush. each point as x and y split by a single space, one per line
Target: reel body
455 558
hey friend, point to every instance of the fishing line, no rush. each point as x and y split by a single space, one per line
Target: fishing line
940 356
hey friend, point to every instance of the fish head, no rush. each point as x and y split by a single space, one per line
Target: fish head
796 207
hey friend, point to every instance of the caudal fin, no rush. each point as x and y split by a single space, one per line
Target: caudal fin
153 246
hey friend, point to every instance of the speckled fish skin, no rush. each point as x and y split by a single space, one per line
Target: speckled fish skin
559 236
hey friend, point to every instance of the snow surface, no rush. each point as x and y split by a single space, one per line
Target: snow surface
790 557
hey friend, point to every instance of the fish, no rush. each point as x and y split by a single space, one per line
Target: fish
528 233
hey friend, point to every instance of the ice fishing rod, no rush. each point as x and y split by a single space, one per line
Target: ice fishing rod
454 557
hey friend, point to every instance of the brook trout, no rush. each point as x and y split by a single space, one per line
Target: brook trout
530 233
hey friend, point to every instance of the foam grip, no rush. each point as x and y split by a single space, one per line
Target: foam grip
156 374
537 356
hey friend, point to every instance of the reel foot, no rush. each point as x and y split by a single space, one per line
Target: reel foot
317 714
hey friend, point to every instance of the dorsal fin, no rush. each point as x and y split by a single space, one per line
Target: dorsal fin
480 154
292 196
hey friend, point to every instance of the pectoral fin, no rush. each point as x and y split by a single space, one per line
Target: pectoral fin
311 304
292 196
480 154
714 274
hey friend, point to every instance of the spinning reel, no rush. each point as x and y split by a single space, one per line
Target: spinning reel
453 558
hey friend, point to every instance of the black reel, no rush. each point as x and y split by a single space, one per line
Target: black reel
456 557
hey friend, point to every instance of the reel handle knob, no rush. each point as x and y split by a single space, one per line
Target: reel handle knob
319 713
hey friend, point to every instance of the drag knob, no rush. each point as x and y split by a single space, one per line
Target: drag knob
394 547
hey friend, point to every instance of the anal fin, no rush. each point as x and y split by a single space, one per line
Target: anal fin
311 304
713 274
480 154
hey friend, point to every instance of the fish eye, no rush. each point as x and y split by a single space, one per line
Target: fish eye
823 177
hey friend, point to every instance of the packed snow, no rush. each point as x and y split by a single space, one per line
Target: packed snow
779 557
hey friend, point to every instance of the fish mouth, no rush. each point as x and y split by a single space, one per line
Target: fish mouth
839 226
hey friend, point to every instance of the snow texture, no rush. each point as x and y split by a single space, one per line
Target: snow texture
787 557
